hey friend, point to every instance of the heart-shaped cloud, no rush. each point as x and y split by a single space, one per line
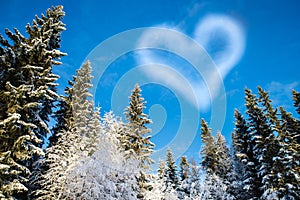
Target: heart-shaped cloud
220 35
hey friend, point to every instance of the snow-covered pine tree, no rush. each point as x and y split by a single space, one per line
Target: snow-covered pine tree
296 98
72 145
217 164
184 174
263 139
195 179
83 109
224 159
171 175
209 150
106 174
285 176
54 163
157 183
271 142
184 168
225 164
161 169
243 158
134 140
27 96
214 188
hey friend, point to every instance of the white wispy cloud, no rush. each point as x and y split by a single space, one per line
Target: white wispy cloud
213 28
182 46
206 85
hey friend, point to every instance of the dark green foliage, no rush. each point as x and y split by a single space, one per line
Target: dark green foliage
244 161
266 150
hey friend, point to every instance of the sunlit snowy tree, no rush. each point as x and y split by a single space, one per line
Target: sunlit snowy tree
135 141
224 158
27 96
106 174
285 176
209 149
72 145
184 174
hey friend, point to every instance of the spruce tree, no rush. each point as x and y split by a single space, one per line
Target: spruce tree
161 169
27 96
296 98
263 139
244 161
270 141
184 168
286 167
194 180
73 144
106 174
185 178
224 158
135 141
63 115
209 150
171 176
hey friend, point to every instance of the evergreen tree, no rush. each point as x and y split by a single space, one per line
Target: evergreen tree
224 159
270 142
286 168
195 179
134 140
244 161
72 145
214 188
263 139
106 174
27 96
216 162
161 169
184 168
63 115
296 98
209 150
171 177
265 151
184 174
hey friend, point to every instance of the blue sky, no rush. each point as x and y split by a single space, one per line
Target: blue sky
251 43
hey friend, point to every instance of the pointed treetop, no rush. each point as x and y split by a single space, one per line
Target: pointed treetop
134 112
296 98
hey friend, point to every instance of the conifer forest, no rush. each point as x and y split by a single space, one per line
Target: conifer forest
93 156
